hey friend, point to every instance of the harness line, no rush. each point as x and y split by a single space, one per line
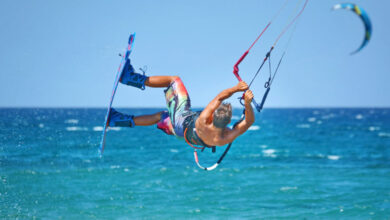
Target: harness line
267 57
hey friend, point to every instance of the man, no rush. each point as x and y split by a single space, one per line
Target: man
206 128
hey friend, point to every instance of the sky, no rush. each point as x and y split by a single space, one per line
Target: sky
65 53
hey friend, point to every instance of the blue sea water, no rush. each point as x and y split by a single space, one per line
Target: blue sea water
291 164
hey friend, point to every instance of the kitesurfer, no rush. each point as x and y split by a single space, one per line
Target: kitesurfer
207 128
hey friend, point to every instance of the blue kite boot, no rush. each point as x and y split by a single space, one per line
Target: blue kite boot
131 78
118 119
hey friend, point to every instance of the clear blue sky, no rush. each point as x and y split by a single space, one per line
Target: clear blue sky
65 53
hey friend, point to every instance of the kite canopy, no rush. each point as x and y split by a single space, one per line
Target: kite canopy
363 16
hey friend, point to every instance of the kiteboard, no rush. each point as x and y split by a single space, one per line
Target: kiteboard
117 78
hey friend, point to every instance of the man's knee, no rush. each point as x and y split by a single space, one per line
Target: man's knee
174 78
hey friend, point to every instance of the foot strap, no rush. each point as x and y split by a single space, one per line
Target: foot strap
125 121
118 119
131 78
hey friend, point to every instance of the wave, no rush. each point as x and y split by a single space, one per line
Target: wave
374 128
288 188
114 128
326 117
254 128
383 134
72 121
359 116
333 157
303 126
74 128
269 153
98 128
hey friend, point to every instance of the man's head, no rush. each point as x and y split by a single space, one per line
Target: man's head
222 115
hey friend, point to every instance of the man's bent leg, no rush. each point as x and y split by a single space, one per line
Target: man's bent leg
118 119
146 120
159 81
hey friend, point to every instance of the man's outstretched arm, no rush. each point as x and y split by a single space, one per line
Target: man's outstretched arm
214 104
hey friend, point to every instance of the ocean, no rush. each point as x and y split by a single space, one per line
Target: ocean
291 164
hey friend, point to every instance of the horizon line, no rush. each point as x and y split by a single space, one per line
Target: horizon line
197 107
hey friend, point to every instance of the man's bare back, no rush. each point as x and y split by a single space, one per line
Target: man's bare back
214 136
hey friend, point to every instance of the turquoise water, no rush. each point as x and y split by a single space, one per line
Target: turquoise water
291 164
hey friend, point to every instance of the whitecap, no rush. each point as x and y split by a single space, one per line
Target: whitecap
254 128
174 150
76 128
359 116
333 157
374 128
320 155
383 134
263 146
235 117
269 153
311 119
98 128
303 126
288 188
114 166
72 121
114 128
41 125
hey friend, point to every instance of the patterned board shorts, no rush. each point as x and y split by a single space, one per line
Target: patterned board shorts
179 107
